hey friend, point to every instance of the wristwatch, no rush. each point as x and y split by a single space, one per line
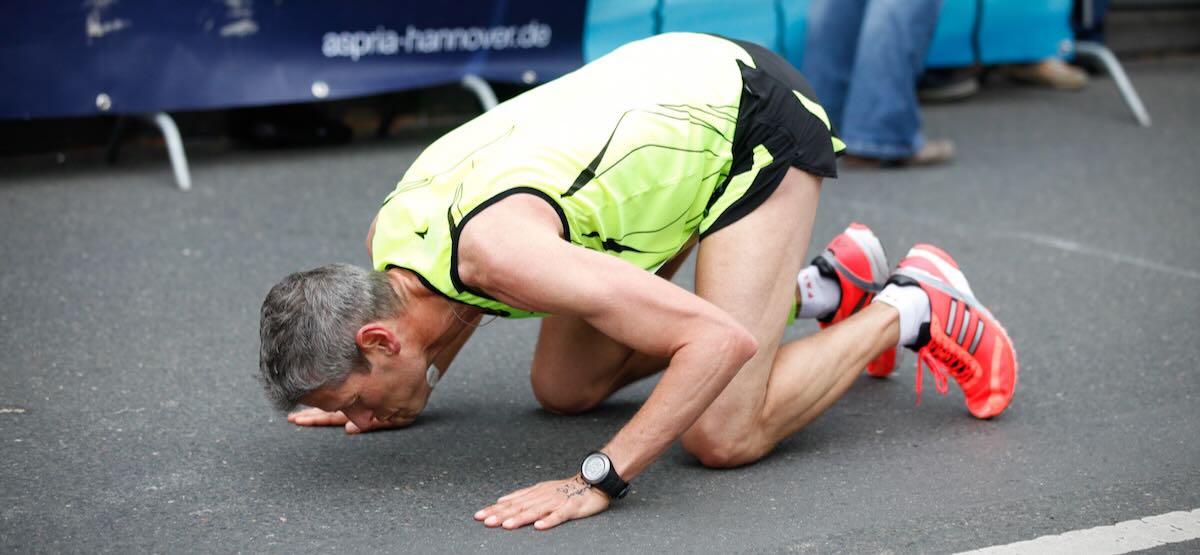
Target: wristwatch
597 470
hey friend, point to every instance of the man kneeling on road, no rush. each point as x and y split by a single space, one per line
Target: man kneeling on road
577 201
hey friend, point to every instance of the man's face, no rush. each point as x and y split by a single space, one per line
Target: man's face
388 393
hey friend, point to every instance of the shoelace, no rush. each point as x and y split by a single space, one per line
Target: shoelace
944 358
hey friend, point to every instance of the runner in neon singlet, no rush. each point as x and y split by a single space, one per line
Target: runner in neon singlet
574 201
636 152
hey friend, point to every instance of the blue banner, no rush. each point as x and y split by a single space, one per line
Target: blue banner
88 57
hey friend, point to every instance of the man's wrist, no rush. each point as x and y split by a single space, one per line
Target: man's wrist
597 471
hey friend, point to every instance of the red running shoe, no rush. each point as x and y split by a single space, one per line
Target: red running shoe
962 339
857 261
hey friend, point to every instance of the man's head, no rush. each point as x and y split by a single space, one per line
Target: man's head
330 338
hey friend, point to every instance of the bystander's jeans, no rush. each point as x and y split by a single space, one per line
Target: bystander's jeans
863 58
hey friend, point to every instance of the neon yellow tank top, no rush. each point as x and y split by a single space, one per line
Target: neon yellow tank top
628 149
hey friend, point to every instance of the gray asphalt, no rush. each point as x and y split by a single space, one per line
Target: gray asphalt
130 420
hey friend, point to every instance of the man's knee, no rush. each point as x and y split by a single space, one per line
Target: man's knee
560 398
717 446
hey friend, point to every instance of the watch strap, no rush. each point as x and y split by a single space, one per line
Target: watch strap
611 484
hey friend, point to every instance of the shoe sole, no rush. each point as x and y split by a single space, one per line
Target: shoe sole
869 244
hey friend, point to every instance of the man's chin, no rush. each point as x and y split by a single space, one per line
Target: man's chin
400 419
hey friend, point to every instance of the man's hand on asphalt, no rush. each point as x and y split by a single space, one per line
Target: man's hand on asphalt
316 417
545 505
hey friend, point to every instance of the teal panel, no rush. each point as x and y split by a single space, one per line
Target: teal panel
1025 31
794 15
750 20
611 23
951 45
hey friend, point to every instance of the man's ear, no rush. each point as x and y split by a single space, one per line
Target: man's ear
374 337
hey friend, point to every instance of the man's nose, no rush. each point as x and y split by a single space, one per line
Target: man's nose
361 417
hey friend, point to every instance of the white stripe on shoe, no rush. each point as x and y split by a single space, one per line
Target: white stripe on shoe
953 275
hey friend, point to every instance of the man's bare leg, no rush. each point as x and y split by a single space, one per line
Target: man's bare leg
576 367
749 270
809 374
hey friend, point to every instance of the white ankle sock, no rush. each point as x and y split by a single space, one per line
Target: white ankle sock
913 304
819 295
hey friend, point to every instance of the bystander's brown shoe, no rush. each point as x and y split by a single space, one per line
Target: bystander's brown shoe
1050 73
935 151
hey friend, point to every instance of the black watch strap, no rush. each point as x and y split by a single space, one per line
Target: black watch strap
610 482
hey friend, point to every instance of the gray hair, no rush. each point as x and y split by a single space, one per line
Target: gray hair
309 324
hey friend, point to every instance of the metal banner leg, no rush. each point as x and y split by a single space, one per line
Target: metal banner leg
170 132
481 88
1101 53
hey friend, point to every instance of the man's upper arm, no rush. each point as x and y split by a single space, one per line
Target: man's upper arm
512 252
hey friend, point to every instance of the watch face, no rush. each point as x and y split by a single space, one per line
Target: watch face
595 467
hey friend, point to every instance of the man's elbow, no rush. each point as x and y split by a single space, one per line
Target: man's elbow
741 344
371 235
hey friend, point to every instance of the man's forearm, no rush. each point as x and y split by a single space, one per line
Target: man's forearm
695 377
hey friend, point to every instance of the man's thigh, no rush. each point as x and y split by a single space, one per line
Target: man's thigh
575 366
749 270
